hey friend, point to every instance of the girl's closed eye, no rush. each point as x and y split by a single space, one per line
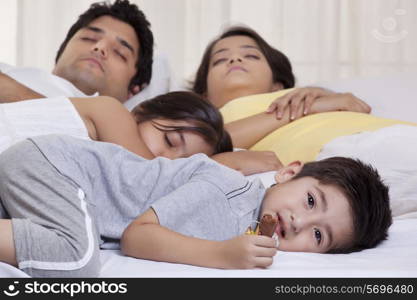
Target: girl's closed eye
167 140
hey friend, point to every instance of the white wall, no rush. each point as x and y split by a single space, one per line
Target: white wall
324 39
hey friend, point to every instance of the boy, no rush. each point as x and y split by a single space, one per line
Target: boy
64 197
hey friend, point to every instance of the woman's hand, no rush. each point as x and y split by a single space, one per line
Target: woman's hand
340 102
299 102
302 101
249 162
248 251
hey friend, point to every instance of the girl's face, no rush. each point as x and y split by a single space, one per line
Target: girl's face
238 68
172 144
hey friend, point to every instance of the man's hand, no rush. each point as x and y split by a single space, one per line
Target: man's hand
248 251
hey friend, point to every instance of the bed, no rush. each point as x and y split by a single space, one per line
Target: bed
390 97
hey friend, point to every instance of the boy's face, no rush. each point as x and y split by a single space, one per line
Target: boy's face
312 217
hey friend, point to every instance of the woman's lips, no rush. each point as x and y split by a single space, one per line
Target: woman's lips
236 68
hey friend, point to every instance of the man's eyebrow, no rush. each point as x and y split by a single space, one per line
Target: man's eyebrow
120 40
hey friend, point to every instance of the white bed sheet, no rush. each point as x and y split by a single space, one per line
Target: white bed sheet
395 257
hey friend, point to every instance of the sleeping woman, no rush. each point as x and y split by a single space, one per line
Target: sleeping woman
241 66
241 63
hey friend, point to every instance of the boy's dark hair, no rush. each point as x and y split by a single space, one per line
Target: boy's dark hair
130 14
367 195
187 106
278 62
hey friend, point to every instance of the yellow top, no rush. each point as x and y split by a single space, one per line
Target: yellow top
304 138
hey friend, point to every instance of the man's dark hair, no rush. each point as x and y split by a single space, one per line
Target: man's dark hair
130 14
187 106
278 62
367 195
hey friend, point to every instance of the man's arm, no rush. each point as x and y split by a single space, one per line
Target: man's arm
145 238
13 91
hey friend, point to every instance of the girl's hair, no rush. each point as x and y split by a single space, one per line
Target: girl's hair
206 119
278 62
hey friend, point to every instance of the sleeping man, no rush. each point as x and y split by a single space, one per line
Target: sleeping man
108 51
63 198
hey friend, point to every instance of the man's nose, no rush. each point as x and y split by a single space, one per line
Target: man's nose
300 222
100 48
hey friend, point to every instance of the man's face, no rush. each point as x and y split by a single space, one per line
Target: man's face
312 217
101 58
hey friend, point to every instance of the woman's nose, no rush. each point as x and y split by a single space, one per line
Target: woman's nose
235 59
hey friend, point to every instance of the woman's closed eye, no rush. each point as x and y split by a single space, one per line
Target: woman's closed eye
218 61
252 56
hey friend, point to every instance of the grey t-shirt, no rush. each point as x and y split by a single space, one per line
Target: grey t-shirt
194 196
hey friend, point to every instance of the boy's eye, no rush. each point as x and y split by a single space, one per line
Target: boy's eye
317 235
310 201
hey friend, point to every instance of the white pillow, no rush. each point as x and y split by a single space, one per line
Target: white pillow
162 82
392 151
390 96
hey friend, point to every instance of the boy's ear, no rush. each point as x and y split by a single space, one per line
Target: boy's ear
288 172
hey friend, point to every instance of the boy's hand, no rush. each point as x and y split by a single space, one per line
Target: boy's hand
248 251
249 162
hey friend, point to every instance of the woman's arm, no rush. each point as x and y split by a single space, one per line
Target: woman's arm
145 238
248 131
13 91
108 120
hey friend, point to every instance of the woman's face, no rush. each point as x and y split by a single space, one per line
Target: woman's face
172 144
238 68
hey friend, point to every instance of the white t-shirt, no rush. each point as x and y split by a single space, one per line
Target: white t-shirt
42 82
